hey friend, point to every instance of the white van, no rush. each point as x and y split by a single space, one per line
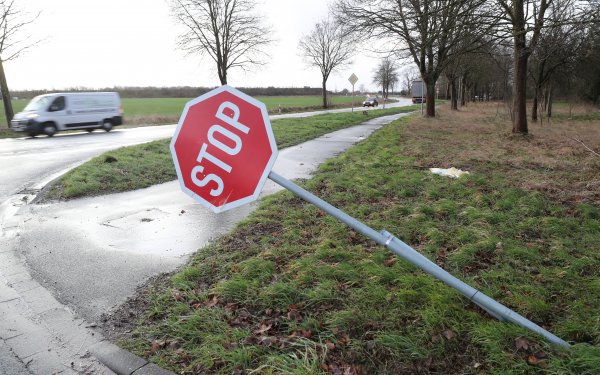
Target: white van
50 113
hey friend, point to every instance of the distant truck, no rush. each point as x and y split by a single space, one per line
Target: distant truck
47 114
419 92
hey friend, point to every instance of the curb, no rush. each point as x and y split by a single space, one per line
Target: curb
123 362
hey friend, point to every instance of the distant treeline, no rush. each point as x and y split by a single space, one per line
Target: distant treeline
177 92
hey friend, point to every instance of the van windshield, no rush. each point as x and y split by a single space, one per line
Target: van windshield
39 103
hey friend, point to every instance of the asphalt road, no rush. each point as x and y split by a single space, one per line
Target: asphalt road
25 162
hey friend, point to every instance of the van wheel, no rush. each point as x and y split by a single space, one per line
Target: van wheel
49 129
107 125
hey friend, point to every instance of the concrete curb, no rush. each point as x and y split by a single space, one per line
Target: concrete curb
124 363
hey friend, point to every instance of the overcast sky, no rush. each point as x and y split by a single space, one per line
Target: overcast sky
106 43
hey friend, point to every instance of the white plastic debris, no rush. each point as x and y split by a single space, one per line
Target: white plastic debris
448 172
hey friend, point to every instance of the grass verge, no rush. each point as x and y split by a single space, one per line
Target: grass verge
140 166
293 291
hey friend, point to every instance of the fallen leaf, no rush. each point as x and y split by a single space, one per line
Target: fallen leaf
242 317
448 334
263 328
212 302
178 295
521 343
390 261
344 339
535 361
330 346
294 314
156 346
231 345
268 340
293 306
182 354
173 345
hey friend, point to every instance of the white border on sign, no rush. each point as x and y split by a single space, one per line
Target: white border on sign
268 167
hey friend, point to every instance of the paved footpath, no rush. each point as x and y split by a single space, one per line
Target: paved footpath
41 336
38 334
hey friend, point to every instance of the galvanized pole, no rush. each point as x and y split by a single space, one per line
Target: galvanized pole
353 97
401 249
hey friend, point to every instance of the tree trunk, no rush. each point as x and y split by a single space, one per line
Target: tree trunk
521 55
8 109
222 72
463 92
549 102
534 106
520 92
324 93
544 99
430 98
453 94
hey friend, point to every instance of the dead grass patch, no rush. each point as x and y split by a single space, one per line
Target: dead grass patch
550 159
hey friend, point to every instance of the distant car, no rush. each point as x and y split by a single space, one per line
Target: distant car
370 102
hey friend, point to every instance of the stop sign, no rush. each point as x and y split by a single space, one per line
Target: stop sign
223 148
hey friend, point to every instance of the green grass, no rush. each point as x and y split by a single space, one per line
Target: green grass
140 166
174 106
292 290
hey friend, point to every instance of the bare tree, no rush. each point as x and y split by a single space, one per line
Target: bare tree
430 31
483 73
559 47
584 77
12 44
455 72
328 47
228 31
525 20
386 76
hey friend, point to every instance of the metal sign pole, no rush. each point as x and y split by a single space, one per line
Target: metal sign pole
353 79
353 97
401 249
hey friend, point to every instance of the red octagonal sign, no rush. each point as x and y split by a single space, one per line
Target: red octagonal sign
223 148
